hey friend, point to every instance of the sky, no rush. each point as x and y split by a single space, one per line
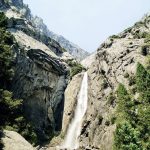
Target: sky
88 23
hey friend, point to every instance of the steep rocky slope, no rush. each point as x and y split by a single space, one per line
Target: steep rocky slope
41 74
116 58
41 70
40 81
88 60
73 49
41 77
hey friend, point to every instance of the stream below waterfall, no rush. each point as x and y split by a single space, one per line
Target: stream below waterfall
71 141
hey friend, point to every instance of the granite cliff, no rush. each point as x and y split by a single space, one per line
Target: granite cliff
42 79
72 48
114 63
40 68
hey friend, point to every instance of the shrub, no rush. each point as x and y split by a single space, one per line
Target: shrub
126 75
29 133
133 121
114 37
142 79
148 62
134 90
125 103
113 119
107 123
132 80
122 93
3 20
76 69
147 38
111 99
104 84
139 24
100 119
145 49
127 137
6 57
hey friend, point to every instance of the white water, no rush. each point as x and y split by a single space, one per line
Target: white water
71 141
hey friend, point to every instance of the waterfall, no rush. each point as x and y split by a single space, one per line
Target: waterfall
71 141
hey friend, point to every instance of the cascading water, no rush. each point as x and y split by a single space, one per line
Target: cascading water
71 141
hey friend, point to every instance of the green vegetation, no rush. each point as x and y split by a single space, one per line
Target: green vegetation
113 119
12 117
3 20
142 78
75 67
147 38
104 84
133 115
126 75
127 137
132 80
145 48
114 37
6 56
111 98
138 34
11 113
148 62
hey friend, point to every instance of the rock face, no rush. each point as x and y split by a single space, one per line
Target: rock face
73 49
41 81
88 60
117 56
40 71
71 97
17 9
41 76
13 141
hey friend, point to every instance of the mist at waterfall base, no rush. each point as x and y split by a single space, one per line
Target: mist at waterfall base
71 141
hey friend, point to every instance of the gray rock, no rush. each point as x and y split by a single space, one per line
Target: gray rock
73 49
41 81
114 57
13 141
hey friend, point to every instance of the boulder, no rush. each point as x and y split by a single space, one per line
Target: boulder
13 141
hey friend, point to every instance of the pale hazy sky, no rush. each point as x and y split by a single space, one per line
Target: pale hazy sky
88 23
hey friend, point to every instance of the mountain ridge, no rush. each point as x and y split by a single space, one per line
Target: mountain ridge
72 48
